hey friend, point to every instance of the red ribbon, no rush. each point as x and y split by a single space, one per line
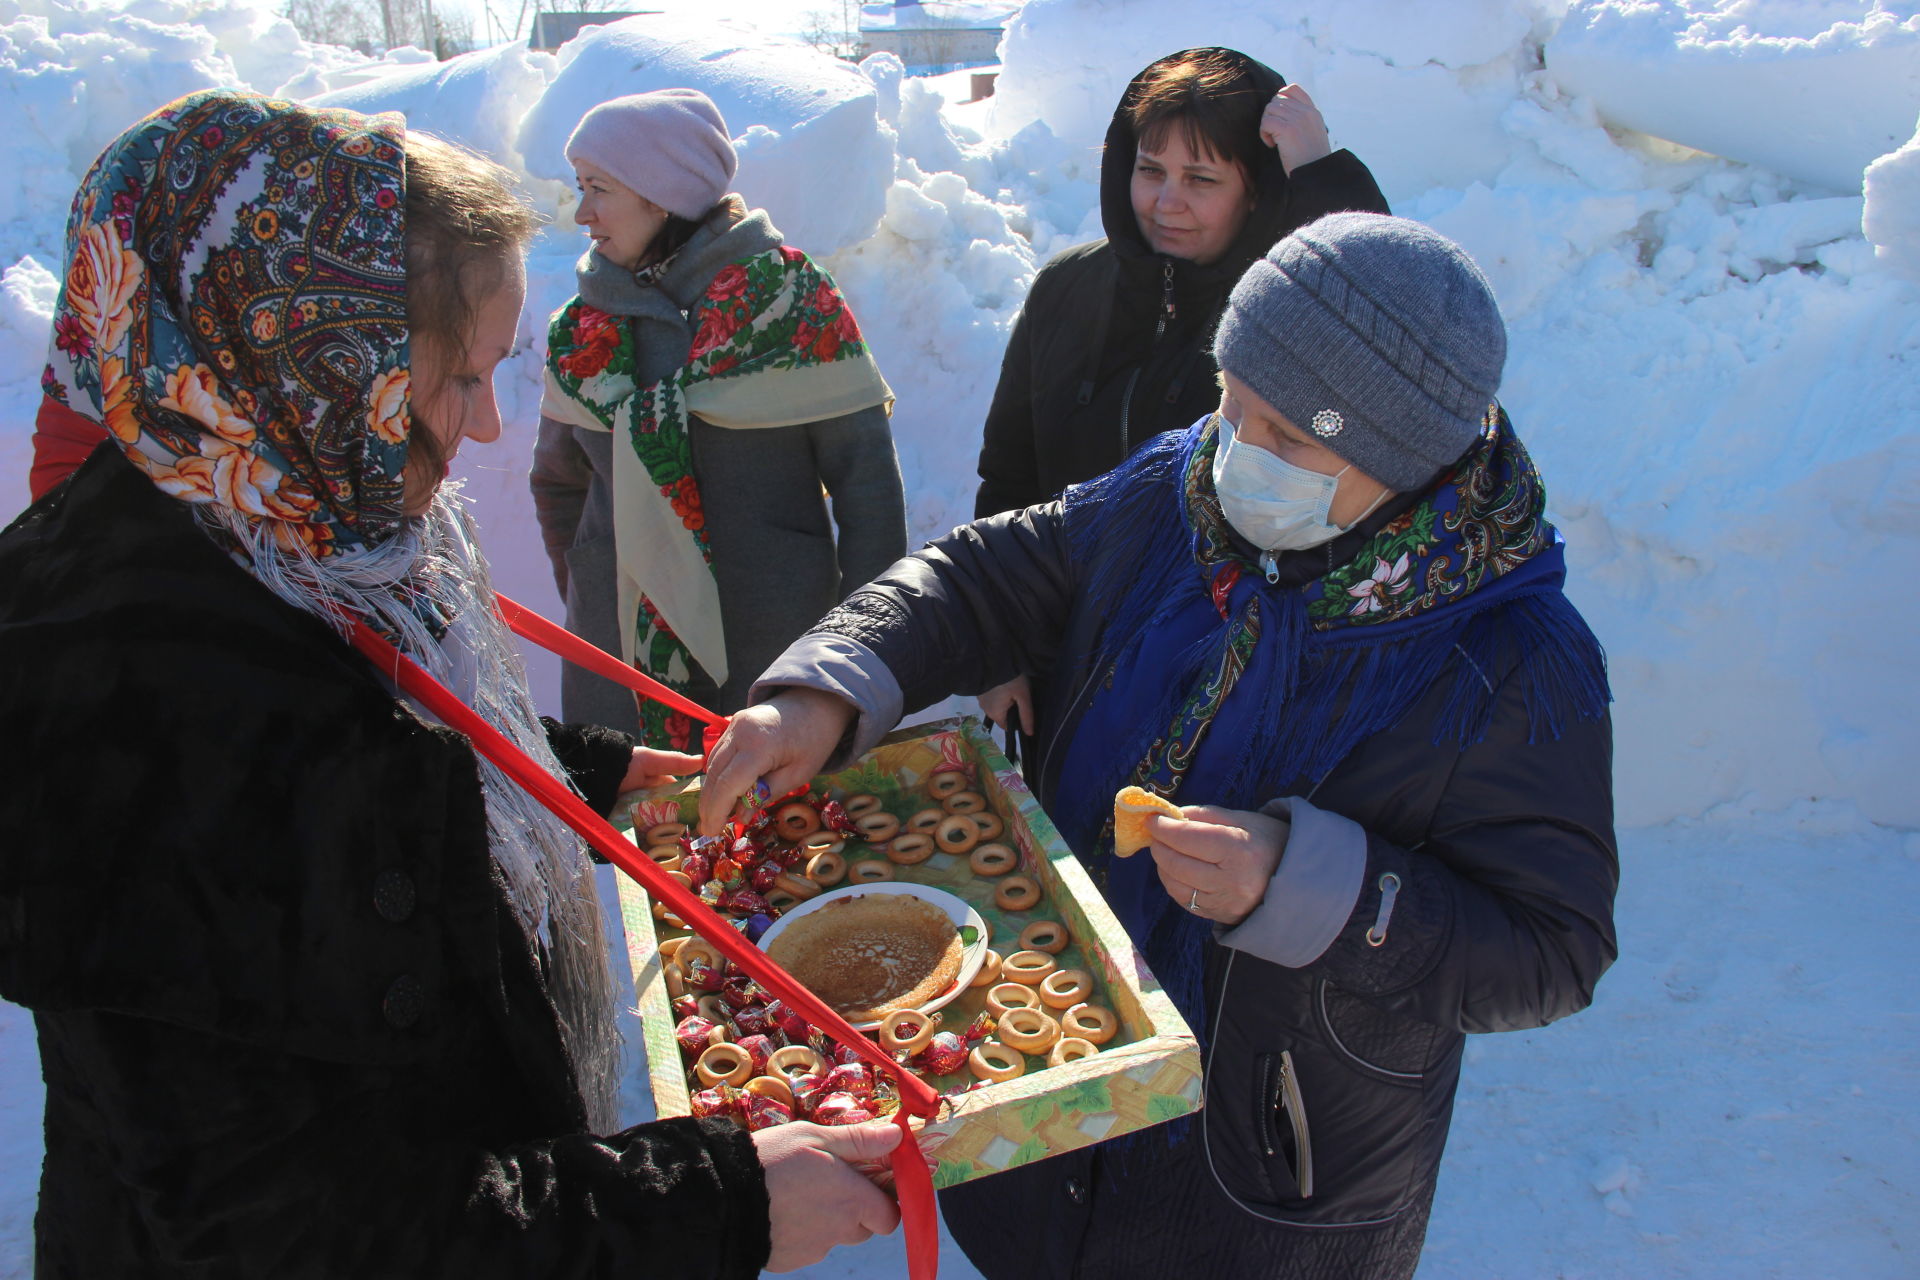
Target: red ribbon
912 1180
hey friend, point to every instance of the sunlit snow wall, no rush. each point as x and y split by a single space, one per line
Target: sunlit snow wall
1702 219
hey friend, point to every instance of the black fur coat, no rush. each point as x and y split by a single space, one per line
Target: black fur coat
288 1022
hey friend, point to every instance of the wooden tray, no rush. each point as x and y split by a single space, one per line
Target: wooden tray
1148 1073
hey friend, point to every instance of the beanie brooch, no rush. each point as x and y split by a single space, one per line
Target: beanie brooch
1327 422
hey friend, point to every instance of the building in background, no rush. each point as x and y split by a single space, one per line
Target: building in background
933 36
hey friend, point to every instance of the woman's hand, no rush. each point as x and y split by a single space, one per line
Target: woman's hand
780 743
999 702
1291 125
650 768
1217 862
815 1198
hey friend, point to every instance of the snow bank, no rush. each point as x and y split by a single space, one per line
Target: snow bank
1418 90
1891 218
1814 91
1710 359
478 100
811 148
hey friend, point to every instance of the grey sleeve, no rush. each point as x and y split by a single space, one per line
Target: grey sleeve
559 478
861 472
1313 890
847 669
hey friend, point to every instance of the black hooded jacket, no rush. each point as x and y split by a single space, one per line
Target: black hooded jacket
1113 344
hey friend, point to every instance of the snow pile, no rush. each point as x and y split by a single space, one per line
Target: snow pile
811 150
1891 219
478 100
1813 90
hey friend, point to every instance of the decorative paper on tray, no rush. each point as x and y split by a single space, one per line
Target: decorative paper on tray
1147 1073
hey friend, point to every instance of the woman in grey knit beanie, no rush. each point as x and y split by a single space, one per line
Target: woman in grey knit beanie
1327 621
709 397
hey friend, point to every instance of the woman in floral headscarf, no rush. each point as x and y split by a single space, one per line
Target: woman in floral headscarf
318 992
709 397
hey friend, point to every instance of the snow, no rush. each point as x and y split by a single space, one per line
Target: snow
1814 91
1703 223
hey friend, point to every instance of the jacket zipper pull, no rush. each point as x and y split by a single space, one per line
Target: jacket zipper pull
1270 565
1389 890
1166 300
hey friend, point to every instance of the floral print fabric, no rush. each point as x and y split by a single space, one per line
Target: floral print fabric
776 313
234 313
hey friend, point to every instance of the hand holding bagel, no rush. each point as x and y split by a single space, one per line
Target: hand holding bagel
1217 862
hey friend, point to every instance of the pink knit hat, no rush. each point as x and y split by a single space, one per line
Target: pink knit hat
671 146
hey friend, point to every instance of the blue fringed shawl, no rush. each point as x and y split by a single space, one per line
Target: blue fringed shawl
1218 688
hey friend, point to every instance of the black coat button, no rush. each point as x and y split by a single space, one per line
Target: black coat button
393 895
1076 1191
406 1001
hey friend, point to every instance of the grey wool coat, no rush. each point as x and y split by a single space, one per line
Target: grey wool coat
796 516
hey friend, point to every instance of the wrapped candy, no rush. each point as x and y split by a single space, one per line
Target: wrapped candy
834 1108
764 874
837 821
745 902
756 924
943 1055
841 1110
788 1023
685 1006
759 1048
701 974
727 871
854 1078
721 1100
808 1091
739 992
752 1020
764 1113
698 868
695 1034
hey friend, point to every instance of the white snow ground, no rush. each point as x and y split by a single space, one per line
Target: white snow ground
1716 359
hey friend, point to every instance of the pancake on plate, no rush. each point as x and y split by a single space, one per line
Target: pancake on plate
870 955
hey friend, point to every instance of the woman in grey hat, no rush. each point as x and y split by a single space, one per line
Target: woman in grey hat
708 394
1327 621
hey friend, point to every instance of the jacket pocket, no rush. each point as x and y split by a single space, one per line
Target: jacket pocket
1285 1138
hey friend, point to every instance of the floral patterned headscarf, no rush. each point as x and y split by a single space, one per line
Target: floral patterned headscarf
235 316
235 313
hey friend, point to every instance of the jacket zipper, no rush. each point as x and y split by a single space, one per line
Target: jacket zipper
1296 1108
1046 758
1167 312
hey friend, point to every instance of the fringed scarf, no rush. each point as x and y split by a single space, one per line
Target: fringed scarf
234 316
774 345
1216 687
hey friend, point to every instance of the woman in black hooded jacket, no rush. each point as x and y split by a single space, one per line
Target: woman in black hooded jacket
1112 346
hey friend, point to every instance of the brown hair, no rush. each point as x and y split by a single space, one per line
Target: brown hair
1210 98
465 228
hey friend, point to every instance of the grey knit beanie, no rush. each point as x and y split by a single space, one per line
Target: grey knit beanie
1378 335
671 146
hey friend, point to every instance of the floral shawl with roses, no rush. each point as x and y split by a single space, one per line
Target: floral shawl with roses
774 345
234 314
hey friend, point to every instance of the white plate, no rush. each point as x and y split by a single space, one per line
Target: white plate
962 915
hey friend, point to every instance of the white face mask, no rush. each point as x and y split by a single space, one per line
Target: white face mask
1273 504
